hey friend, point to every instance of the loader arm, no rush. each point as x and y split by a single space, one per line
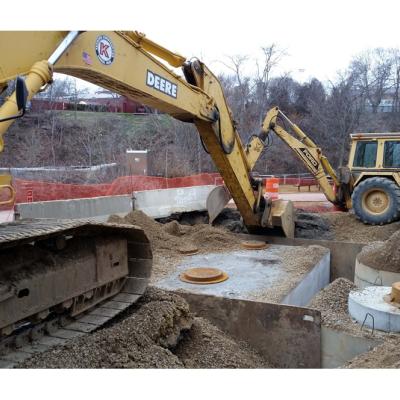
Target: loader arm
304 148
128 63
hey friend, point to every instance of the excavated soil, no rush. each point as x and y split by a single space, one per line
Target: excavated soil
312 226
160 332
340 226
168 239
383 255
205 346
347 228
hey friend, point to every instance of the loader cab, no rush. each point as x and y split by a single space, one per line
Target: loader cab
374 152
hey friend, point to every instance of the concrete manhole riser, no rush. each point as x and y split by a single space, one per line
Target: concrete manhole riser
258 275
365 276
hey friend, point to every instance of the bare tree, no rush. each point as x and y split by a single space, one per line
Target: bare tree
271 57
373 70
240 90
395 55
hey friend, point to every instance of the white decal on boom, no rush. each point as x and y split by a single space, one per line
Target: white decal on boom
161 84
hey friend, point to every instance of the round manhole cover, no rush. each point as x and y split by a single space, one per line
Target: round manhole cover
203 275
254 245
188 250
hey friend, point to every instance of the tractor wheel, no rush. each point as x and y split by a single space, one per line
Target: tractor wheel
376 201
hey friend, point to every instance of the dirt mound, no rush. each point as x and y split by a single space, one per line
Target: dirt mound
160 238
172 228
205 346
383 255
332 302
211 238
312 226
346 227
148 337
172 235
139 341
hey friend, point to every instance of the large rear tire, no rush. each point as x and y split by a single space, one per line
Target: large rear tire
376 201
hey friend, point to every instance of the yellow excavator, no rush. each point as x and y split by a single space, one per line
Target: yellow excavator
370 183
67 267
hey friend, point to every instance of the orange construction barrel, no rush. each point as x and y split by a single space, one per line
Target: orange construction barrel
272 187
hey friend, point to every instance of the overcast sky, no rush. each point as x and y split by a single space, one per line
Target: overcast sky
320 37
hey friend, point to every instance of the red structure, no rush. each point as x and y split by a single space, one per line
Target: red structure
42 104
120 104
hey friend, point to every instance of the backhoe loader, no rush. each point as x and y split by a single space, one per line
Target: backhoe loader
370 183
66 267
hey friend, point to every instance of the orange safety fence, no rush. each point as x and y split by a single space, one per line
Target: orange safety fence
32 191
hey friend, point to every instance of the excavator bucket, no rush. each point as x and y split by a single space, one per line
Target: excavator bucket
217 199
282 215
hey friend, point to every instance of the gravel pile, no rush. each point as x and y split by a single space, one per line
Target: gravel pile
346 227
205 346
386 355
383 255
160 332
332 302
141 340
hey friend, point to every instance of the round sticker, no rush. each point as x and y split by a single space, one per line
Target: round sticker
104 50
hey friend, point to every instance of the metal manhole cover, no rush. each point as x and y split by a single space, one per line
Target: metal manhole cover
254 245
203 276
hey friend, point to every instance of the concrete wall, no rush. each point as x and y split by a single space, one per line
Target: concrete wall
288 337
157 203
339 347
311 284
98 207
161 203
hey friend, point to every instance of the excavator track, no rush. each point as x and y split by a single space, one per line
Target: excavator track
63 278
58 331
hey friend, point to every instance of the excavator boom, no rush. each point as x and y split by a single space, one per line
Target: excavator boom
125 63
304 148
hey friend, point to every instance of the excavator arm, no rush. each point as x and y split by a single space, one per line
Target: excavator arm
307 151
129 64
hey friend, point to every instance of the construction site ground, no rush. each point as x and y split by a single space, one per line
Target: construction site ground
161 332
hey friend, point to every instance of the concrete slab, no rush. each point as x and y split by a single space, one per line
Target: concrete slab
6 216
368 306
343 254
161 203
254 275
